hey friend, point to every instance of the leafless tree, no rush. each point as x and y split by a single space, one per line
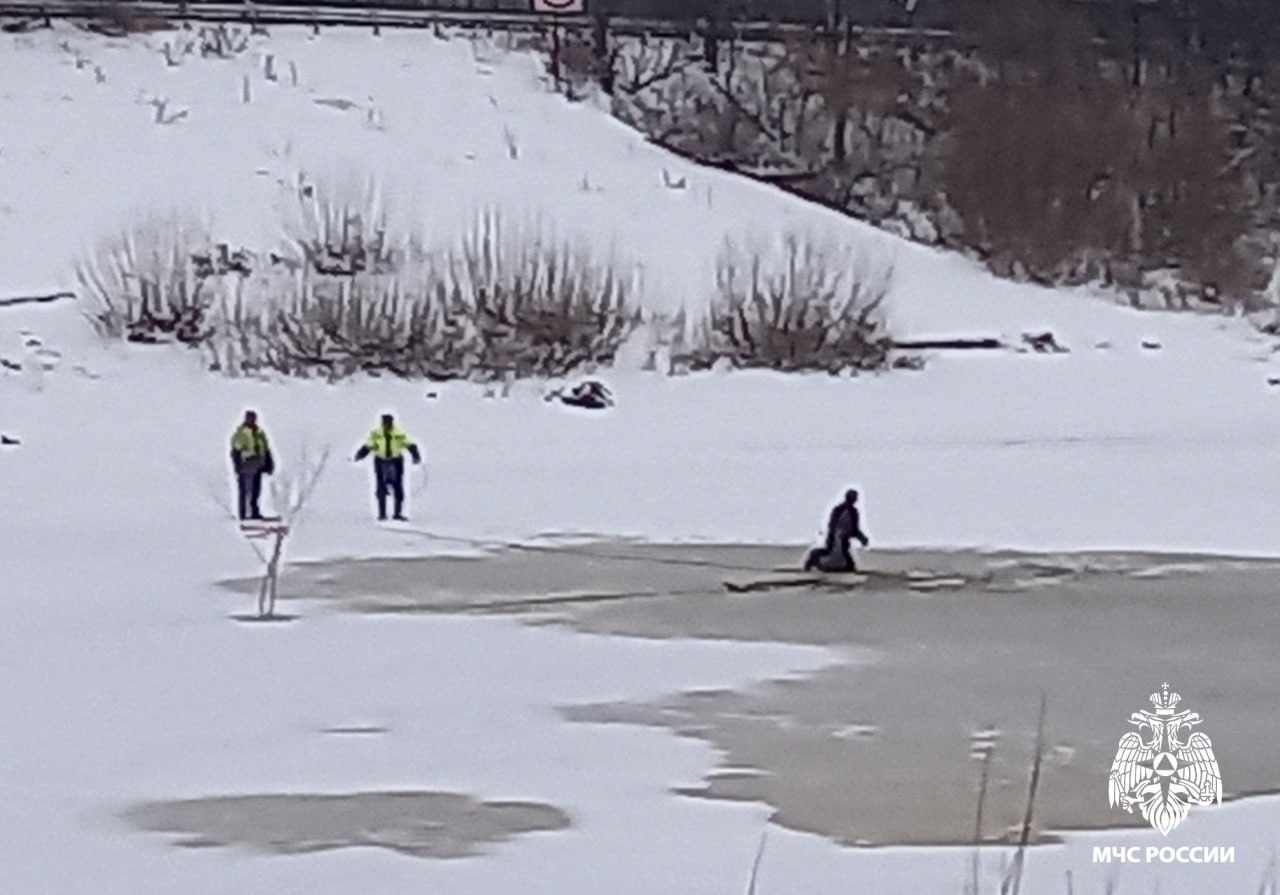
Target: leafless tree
292 488
1033 173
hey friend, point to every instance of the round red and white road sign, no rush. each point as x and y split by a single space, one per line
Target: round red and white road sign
559 5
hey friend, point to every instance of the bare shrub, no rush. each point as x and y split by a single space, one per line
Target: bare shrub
341 229
644 64
1068 167
541 304
854 126
801 305
1033 175
339 326
577 64
1189 201
174 51
147 283
499 303
1066 183
223 41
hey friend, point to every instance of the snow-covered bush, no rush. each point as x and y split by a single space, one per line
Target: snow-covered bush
335 326
799 305
342 230
500 302
345 297
540 304
152 282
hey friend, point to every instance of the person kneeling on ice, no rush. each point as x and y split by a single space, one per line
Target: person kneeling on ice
251 458
843 525
387 443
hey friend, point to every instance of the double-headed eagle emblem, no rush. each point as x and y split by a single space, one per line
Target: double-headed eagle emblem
1168 770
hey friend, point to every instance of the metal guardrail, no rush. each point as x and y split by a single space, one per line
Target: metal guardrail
274 14
423 17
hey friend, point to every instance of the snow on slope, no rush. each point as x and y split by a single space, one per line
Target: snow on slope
435 122
118 661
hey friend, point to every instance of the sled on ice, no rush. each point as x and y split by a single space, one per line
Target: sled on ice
267 525
918 581
788 579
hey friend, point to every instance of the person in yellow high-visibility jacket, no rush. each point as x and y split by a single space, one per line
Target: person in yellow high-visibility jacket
251 459
388 444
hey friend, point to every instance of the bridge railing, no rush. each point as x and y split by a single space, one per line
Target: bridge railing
500 14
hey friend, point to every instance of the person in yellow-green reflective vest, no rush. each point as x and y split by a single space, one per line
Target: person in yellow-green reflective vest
251 459
388 444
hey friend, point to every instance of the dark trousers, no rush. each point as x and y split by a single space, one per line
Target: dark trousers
832 558
389 478
249 488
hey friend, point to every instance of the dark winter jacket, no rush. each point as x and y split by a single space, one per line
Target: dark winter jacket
843 525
